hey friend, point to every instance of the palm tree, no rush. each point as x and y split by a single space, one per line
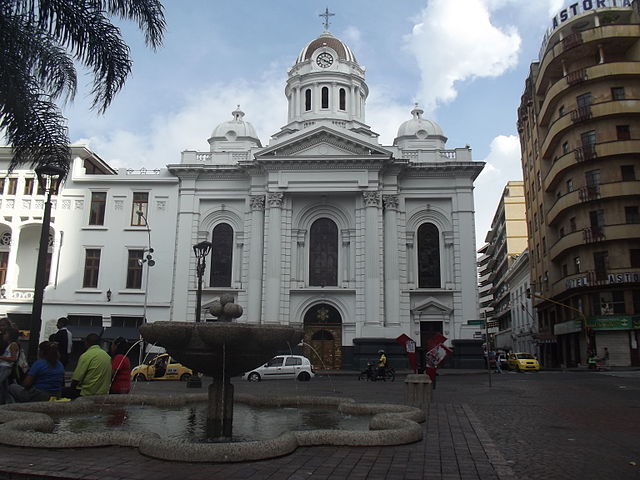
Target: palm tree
39 41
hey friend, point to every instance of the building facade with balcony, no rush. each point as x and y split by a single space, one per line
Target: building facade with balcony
579 127
506 240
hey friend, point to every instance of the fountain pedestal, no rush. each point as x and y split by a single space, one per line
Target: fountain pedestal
221 350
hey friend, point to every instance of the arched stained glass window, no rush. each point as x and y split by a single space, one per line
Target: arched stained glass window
325 97
343 99
428 256
323 253
307 99
222 255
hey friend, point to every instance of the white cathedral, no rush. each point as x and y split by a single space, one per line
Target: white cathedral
324 228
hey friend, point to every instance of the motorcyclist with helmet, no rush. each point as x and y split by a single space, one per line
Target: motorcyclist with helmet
382 363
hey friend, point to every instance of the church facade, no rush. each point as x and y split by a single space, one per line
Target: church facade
327 229
323 228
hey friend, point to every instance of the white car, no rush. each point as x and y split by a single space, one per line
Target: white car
282 366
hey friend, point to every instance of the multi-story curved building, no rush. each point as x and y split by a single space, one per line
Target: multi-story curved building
579 126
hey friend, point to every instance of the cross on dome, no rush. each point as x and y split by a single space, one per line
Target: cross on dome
326 16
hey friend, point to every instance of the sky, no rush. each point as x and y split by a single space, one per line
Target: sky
463 61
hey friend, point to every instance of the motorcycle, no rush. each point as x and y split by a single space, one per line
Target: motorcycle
372 373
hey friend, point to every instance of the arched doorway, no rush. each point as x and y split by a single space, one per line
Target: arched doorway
323 337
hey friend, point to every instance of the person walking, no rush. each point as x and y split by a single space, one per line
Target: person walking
64 339
44 379
498 363
92 376
605 357
120 367
7 359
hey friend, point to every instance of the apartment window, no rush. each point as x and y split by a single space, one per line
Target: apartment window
635 299
134 269
561 232
634 257
596 219
565 270
561 111
593 178
608 303
623 132
28 186
600 264
631 214
140 204
617 93
307 99
343 99
544 245
325 97
565 147
576 264
628 173
588 139
569 185
572 224
91 268
535 220
98 204
584 100
13 186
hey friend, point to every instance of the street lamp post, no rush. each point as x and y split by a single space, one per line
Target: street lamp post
148 259
201 251
49 177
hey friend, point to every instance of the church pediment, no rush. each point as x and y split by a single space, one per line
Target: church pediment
323 142
431 306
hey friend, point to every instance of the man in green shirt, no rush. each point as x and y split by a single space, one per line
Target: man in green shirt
92 376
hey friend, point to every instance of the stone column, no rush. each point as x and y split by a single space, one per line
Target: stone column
256 255
391 270
448 266
274 259
300 256
411 260
346 257
372 258
237 260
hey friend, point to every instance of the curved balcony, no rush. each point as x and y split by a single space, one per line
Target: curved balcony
602 150
582 195
584 76
590 235
597 110
621 36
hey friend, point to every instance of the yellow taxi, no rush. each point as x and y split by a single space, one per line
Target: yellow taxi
162 367
522 362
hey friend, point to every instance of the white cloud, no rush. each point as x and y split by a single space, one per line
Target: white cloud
503 165
189 128
455 40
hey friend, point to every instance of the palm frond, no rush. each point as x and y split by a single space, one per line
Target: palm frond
148 13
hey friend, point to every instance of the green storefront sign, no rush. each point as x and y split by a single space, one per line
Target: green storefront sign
475 322
614 323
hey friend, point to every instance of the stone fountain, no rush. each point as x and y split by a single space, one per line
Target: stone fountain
221 349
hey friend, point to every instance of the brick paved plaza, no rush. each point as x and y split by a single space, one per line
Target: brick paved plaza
575 425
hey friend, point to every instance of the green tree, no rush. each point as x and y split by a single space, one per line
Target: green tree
39 42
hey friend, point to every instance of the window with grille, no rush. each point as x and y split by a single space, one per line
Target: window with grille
91 268
28 186
222 255
323 253
325 97
428 256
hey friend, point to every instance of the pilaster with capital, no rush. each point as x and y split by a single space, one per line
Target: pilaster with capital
391 270
256 258
372 247
273 273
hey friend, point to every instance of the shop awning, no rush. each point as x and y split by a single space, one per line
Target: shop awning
81 332
130 334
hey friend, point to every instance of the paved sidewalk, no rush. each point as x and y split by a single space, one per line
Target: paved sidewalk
455 446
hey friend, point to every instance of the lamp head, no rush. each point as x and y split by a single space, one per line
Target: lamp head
202 249
51 172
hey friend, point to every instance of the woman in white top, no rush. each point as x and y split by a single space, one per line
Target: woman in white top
7 359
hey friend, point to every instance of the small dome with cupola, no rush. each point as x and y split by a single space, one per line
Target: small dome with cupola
419 132
235 134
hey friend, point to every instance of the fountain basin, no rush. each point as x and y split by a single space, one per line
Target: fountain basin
390 425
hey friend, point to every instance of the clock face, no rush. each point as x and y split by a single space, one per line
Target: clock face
324 60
